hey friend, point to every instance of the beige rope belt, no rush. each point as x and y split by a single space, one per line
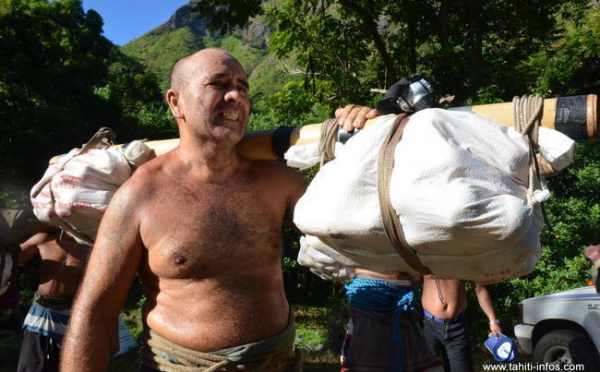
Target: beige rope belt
164 355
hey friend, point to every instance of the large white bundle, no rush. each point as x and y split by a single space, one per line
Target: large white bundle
74 192
459 187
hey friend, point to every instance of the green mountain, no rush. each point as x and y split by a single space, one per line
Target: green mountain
186 32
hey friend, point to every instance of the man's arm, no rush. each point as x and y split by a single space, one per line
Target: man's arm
29 248
485 302
110 272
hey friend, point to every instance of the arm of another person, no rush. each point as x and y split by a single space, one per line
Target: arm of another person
109 275
355 116
486 304
29 248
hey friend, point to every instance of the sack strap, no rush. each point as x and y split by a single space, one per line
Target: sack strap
391 221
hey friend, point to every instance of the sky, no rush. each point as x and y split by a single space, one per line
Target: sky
125 20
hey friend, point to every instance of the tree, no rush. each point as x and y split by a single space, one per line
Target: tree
482 51
137 108
470 48
571 64
52 58
61 80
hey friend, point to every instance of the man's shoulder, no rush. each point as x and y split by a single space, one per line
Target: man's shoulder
277 172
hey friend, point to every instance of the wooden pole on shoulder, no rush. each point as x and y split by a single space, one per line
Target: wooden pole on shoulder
576 117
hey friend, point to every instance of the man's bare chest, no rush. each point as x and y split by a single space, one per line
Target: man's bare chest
197 233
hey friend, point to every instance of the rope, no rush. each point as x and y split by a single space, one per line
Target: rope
379 295
165 351
327 140
527 114
391 221
160 353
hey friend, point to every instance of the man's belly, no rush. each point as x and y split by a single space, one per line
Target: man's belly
208 325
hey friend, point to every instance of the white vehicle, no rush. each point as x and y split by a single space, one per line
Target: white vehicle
562 328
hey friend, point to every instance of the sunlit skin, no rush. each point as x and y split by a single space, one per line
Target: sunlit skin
200 226
451 299
62 262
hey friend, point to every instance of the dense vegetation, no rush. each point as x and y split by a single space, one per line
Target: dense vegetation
61 80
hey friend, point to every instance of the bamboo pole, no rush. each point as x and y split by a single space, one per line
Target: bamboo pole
576 117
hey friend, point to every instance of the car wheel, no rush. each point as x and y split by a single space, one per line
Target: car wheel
566 346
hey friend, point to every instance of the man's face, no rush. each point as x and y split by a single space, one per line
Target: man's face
215 102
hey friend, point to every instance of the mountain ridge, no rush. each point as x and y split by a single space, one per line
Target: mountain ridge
186 31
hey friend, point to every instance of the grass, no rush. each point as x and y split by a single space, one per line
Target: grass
314 327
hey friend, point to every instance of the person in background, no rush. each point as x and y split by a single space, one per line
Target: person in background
201 226
16 226
383 331
444 303
62 264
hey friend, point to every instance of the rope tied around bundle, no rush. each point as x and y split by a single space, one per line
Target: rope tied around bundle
391 222
527 117
327 140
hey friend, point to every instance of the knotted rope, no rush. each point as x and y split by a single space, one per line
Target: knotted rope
167 356
327 140
527 116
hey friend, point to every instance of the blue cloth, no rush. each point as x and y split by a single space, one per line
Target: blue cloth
44 329
47 322
382 296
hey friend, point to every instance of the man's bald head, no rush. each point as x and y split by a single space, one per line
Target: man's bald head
184 68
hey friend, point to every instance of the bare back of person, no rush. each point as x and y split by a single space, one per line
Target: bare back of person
228 245
62 264
443 298
391 276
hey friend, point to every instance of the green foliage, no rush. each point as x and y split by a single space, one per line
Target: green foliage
8 199
571 64
293 105
249 55
310 338
51 58
488 45
160 49
225 16
60 80
268 76
312 36
574 216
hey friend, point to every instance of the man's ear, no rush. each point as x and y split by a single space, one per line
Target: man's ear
173 101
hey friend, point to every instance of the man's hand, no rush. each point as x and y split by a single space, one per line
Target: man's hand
495 329
354 116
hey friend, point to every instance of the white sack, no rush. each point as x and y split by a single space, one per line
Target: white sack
74 192
556 148
459 187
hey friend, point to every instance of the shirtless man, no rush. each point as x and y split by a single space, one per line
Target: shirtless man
444 302
62 263
202 228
